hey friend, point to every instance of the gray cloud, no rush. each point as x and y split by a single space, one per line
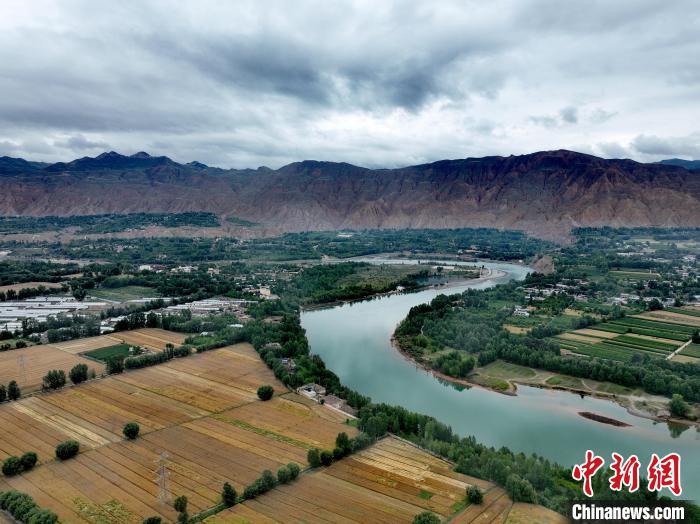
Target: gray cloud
672 146
569 114
243 84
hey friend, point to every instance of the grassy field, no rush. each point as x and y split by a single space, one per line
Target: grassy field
123 294
118 350
151 338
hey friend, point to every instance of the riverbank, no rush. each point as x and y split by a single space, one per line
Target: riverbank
503 378
487 274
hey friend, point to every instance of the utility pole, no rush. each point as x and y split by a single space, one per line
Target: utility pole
22 370
162 480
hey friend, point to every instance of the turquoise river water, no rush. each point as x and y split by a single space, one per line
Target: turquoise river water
354 341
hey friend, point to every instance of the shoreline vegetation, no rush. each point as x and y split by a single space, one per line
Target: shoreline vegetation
645 408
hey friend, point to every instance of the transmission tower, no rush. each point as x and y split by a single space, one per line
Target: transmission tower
22 370
162 480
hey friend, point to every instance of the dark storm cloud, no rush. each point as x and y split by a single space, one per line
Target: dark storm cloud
391 83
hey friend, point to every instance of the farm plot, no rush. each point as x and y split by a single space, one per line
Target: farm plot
184 413
151 338
81 345
691 350
671 317
654 333
28 365
391 481
29 285
289 421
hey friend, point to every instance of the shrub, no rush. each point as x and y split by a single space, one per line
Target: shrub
228 495
326 458
67 449
78 373
183 518
131 430
265 392
283 475
314 458
146 360
180 504
474 495
11 466
426 518
13 392
294 470
54 379
152 520
28 460
338 453
3 393
678 406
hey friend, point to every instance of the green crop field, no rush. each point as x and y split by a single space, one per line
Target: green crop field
102 354
691 350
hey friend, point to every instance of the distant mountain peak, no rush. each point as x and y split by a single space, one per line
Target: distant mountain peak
687 164
141 154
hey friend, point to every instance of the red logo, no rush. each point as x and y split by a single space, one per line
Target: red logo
662 472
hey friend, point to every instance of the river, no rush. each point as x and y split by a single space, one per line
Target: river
354 341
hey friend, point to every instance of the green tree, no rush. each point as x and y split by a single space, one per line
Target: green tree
67 449
54 379
78 373
114 365
342 441
294 470
678 406
326 457
426 518
180 504
3 393
228 495
283 475
131 430
13 391
265 392
152 520
28 460
314 457
474 495
11 466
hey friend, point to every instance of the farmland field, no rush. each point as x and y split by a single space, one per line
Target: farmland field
29 285
653 333
81 345
202 411
391 481
103 354
37 361
151 338
123 294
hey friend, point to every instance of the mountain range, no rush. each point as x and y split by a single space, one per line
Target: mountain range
545 193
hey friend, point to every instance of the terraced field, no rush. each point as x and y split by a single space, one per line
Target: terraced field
202 411
653 333
389 482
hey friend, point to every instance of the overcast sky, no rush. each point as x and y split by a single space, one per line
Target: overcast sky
376 83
